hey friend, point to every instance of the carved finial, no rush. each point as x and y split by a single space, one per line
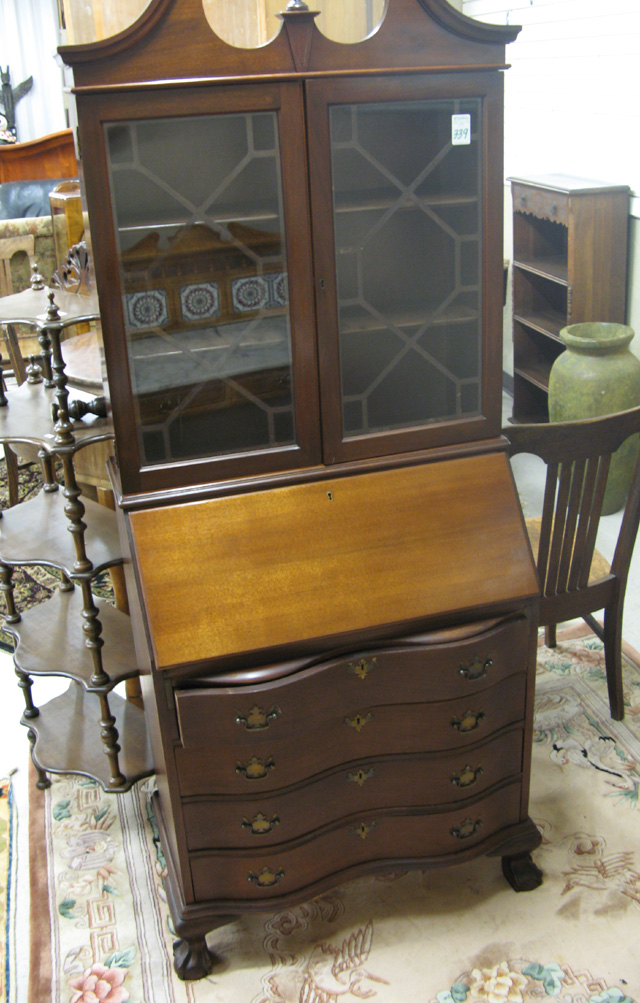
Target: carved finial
299 20
53 314
36 281
34 371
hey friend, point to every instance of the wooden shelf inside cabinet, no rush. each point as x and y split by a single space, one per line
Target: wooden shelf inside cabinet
531 400
537 376
552 268
548 324
366 202
60 621
569 258
448 315
37 532
64 738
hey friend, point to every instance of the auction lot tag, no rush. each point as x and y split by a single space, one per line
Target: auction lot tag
460 130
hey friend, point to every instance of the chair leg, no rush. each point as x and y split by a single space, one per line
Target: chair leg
612 638
550 635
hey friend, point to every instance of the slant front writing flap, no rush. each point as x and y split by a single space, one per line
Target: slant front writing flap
270 568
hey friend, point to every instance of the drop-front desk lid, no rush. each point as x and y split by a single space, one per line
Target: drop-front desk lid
282 566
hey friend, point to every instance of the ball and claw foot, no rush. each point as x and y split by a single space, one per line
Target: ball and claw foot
192 959
521 872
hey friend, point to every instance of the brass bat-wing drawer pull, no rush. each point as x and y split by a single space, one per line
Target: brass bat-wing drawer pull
468 828
258 718
477 668
260 825
469 721
256 769
467 776
266 878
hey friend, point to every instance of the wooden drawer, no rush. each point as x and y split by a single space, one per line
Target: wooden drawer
364 839
417 673
337 736
541 202
368 785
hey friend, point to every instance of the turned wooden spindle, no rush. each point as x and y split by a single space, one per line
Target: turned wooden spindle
25 682
109 735
37 282
44 341
3 396
63 426
6 587
48 471
93 629
43 780
74 511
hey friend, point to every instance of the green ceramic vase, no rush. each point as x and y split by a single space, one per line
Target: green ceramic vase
597 375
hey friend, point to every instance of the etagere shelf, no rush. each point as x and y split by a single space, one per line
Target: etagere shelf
73 634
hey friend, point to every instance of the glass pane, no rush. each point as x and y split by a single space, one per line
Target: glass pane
408 210
199 222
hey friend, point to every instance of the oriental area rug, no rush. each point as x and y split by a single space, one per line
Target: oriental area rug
101 930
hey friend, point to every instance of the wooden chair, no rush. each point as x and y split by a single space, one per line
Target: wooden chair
573 581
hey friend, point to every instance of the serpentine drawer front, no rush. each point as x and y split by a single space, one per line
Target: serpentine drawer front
354 716
372 784
421 672
351 733
361 839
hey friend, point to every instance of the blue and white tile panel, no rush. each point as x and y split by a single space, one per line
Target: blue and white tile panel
146 309
259 292
201 300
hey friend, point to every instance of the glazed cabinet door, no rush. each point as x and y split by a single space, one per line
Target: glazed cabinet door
407 217
203 262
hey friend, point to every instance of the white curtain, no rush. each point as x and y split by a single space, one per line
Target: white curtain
29 36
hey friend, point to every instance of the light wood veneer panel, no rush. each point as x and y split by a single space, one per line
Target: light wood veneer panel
384 547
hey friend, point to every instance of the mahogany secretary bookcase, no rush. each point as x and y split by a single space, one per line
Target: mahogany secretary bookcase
298 252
